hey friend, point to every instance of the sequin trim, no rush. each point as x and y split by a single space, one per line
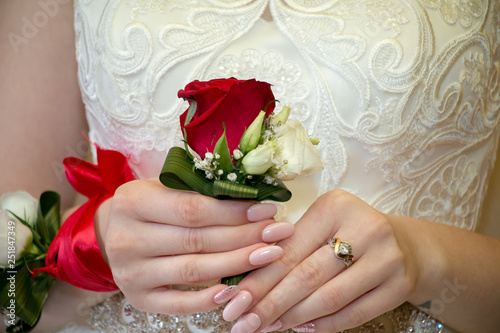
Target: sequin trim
116 315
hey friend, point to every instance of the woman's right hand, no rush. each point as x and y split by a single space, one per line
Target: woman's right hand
154 237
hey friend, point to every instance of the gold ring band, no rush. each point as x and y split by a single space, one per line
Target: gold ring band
343 250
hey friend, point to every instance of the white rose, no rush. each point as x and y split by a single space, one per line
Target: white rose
21 204
15 238
297 152
260 159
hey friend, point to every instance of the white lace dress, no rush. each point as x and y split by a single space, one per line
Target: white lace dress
404 96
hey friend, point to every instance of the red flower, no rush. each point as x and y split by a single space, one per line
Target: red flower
235 103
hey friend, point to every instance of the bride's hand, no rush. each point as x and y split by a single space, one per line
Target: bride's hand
327 295
154 237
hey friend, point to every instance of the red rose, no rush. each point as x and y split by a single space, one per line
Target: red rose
235 103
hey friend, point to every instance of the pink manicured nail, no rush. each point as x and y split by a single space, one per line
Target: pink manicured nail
226 294
247 324
273 327
259 212
277 231
305 328
237 306
265 255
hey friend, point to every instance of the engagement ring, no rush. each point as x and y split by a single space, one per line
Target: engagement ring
343 250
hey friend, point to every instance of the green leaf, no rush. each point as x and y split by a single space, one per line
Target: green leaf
278 193
233 280
178 173
49 218
222 148
30 294
225 189
191 111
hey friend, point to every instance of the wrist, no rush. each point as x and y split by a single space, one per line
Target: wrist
427 261
101 218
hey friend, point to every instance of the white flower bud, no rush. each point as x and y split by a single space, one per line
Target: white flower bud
282 117
259 160
232 177
21 204
251 137
15 238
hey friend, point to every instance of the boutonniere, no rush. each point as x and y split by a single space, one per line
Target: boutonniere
236 146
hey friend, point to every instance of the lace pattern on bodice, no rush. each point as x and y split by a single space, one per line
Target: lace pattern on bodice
403 95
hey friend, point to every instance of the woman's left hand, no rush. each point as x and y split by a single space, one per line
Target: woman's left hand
311 286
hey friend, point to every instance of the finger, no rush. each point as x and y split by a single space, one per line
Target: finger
303 243
200 268
313 230
182 302
316 293
365 308
304 279
352 283
150 201
371 271
155 239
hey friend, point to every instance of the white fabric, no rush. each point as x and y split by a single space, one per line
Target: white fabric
403 95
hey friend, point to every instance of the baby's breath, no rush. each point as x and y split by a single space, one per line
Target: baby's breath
209 165
232 177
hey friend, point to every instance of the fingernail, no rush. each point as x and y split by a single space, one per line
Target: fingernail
259 212
226 294
273 327
247 324
237 306
305 328
265 255
277 231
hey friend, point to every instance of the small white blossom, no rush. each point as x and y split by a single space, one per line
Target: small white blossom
269 180
280 174
217 156
209 156
237 154
220 172
232 177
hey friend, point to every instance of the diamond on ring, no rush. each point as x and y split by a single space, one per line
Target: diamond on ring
343 250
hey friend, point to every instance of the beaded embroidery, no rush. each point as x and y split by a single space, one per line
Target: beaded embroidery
116 315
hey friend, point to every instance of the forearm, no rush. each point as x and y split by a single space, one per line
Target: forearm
460 272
